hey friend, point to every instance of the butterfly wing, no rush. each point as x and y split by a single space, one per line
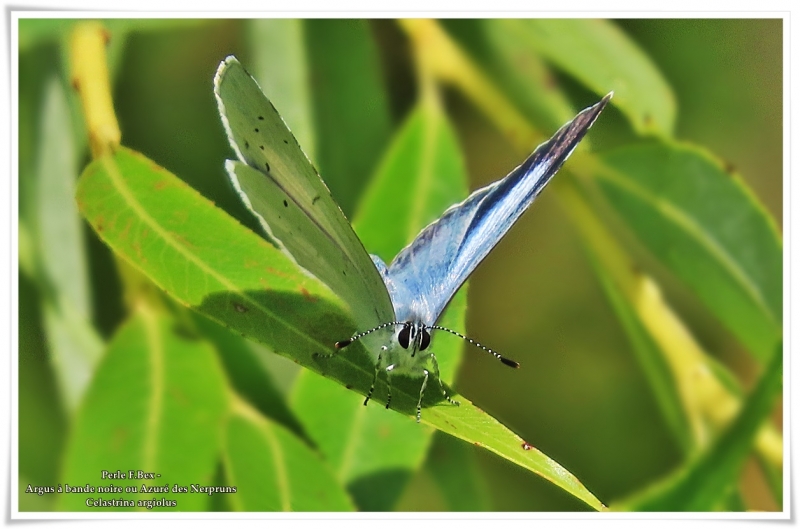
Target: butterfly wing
279 185
426 274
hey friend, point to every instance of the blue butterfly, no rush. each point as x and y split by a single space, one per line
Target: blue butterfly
409 295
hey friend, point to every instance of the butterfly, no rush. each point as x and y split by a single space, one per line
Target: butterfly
280 186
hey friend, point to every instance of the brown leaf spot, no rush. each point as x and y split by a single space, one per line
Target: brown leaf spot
126 231
276 272
307 295
155 167
180 239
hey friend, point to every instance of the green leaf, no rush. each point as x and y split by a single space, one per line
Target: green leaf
75 349
603 58
203 257
60 236
42 421
455 470
275 471
280 65
248 373
156 404
207 261
74 345
706 226
351 111
373 451
710 478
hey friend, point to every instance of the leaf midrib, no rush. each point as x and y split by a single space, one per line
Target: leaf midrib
119 183
692 228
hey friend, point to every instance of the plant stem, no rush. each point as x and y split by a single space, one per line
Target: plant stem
89 71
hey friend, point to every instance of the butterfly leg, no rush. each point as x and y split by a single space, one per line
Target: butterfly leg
389 384
374 379
439 378
421 392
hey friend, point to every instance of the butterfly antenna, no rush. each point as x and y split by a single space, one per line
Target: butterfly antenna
506 361
345 343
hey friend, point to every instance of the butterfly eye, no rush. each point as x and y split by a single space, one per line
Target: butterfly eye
404 336
425 340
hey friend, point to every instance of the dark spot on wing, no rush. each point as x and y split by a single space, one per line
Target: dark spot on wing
261 147
266 164
256 129
246 144
286 142
261 118
348 386
314 200
285 204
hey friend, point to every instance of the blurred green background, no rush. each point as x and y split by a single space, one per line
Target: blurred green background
580 397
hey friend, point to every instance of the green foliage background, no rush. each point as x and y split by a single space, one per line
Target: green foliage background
698 105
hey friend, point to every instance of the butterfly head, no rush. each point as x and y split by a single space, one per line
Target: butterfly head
414 335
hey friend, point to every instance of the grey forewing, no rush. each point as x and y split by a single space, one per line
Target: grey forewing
426 274
318 227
